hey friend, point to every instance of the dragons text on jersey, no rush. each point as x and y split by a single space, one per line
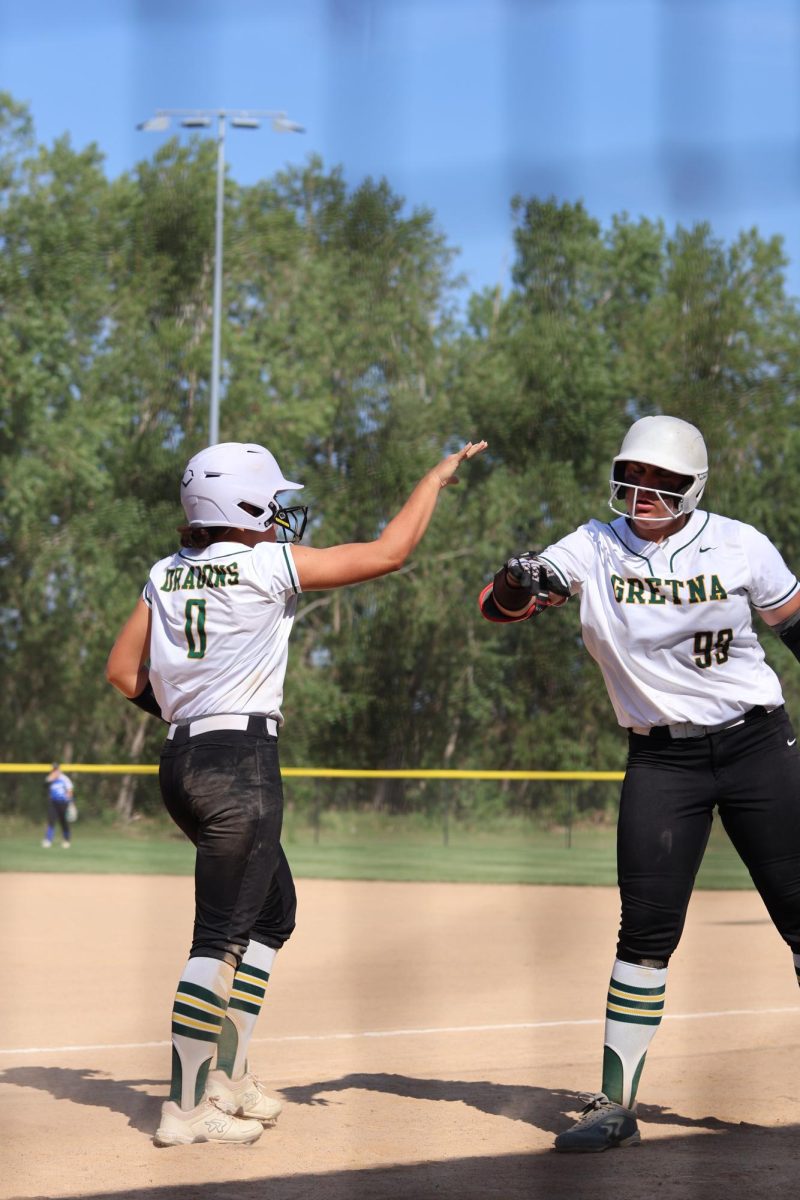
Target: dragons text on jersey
185 579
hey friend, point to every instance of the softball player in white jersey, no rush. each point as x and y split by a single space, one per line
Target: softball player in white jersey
666 598
213 623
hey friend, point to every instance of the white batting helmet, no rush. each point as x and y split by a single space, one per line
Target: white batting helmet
221 479
671 444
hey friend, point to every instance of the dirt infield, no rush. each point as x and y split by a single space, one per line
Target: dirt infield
427 1039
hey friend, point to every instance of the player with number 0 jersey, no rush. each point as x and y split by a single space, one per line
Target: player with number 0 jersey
205 649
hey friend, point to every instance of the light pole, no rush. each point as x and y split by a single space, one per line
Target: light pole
201 118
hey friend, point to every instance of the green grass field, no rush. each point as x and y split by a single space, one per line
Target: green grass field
361 847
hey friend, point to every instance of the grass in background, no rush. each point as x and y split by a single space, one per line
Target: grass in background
365 846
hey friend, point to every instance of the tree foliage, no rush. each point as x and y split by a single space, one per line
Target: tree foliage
343 351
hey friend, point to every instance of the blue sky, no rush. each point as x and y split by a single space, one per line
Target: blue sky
686 110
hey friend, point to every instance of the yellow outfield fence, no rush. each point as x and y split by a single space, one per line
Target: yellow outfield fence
320 772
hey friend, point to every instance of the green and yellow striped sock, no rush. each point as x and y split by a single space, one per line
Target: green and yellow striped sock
634 1010
244 1006
197 1015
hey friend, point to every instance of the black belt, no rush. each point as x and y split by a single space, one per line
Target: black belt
244 722
686 729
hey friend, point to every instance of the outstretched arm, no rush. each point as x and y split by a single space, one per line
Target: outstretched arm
355 562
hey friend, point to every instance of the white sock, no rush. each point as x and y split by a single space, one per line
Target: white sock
634 1010
244 1006
197 1015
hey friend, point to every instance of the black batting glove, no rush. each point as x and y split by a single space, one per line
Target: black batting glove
523 571
529 576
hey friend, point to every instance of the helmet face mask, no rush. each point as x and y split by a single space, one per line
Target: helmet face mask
674 446
234 485
290 522
674 502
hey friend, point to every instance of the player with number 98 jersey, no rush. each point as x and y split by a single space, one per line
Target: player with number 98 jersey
670 623
667 594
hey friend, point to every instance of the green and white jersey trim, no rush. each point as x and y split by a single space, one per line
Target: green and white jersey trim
221 619
670 623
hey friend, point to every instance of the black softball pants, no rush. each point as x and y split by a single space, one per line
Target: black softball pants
224 790
751 774
57 815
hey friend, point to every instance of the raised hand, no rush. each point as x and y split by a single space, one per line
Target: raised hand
446 470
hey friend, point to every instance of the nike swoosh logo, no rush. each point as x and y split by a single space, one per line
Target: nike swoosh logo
705 549
792 742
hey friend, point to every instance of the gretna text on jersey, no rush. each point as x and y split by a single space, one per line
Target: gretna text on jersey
204 575
649 590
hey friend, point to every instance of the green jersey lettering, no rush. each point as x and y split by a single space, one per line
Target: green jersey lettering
195 628
676 585
635 592
717 590
656 595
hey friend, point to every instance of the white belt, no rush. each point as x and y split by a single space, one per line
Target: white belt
686 729
222 721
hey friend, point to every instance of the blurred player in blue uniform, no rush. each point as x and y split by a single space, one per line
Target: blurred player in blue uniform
59 796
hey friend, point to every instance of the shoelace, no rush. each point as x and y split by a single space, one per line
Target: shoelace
593 1102
209 1103
252 1081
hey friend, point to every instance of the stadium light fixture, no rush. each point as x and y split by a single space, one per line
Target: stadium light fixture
202 119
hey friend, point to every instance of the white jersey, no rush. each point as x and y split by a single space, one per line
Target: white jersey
221 619
670 623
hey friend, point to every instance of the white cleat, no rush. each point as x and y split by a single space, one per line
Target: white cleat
205 1123
243 1097
46 845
